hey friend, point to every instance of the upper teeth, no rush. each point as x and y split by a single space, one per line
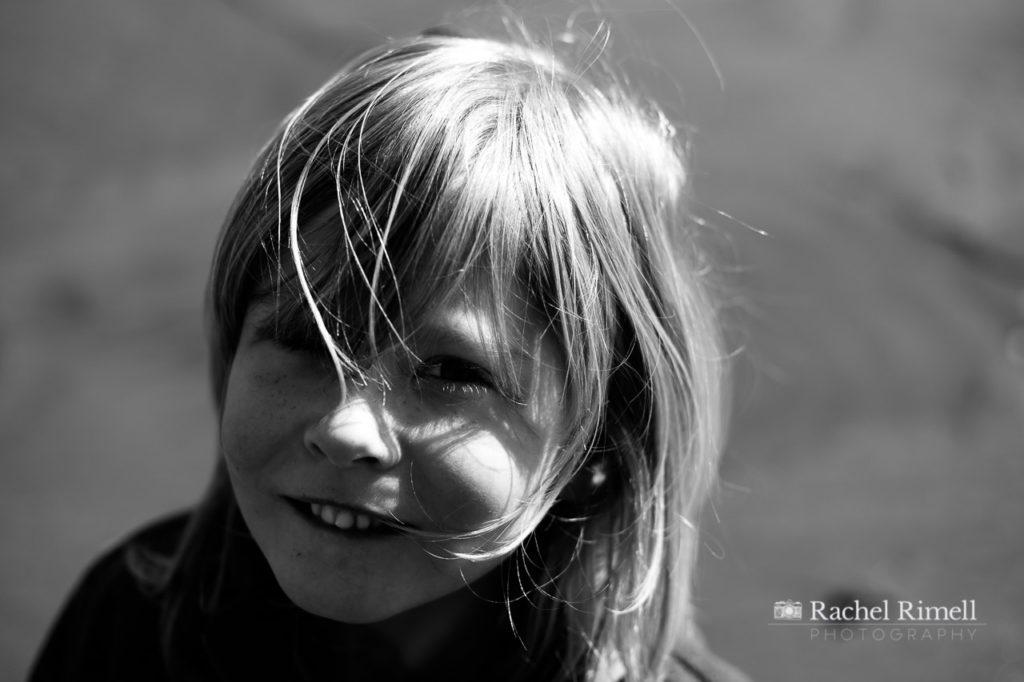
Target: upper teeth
345 519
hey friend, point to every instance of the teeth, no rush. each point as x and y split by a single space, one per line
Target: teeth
344 519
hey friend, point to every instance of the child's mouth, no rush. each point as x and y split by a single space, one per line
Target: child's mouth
348 520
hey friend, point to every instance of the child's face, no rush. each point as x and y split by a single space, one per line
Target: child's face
439 444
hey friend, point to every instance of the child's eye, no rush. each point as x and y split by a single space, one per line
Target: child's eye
456 375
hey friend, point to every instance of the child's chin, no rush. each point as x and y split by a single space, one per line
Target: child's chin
357 604
355 609
365 604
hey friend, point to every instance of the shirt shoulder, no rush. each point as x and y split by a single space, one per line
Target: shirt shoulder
109 627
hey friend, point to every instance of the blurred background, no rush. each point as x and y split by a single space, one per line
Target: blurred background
861 167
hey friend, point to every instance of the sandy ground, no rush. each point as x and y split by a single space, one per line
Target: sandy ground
879 324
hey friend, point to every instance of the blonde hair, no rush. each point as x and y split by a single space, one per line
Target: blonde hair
435 165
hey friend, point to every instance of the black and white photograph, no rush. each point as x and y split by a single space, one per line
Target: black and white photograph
519 340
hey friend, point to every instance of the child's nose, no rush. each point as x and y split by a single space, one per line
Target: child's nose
356 432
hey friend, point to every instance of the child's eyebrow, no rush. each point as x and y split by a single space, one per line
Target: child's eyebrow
264 309
478 336
264 314
269 321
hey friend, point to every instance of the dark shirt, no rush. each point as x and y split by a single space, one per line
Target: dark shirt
110 629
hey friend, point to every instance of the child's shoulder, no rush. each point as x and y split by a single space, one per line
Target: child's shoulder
109 627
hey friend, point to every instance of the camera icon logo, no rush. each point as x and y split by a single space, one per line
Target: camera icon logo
788 610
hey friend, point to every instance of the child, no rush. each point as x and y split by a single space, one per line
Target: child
468 385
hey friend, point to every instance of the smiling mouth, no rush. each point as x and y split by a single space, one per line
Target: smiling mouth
345 519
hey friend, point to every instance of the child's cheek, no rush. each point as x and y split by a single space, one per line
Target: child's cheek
471 462
261 423
472 477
